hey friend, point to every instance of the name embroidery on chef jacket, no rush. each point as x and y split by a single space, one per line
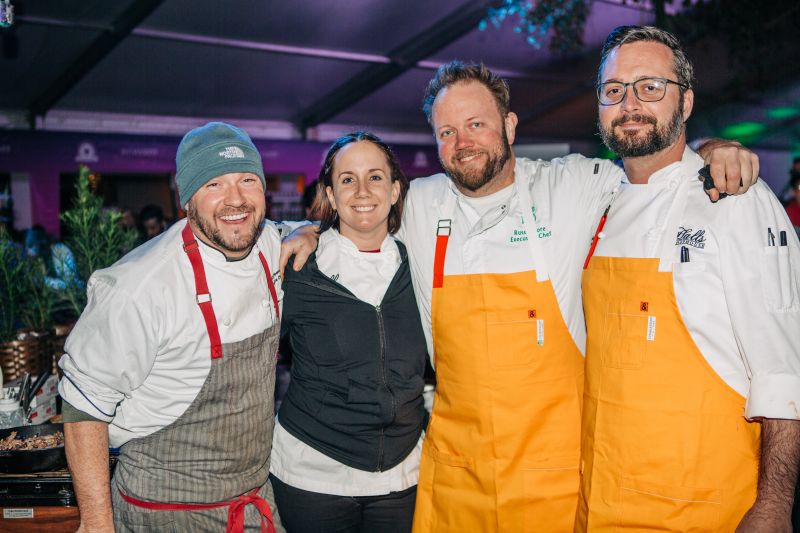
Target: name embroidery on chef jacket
541 231
691 237
520 235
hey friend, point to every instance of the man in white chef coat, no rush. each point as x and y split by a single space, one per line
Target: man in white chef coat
691 418
173 359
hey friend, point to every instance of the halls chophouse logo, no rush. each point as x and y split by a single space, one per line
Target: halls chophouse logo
232 152
690 237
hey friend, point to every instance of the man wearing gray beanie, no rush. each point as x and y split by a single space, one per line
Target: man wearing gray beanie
173 360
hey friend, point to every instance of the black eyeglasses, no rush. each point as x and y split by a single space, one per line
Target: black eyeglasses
645 89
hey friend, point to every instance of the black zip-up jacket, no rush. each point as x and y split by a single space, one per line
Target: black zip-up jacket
357 370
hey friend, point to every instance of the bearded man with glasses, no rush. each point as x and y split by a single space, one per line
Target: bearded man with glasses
690 418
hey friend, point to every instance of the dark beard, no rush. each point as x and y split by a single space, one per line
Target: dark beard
658 139
494 164
214 235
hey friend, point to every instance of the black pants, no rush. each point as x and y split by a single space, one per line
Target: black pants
313 512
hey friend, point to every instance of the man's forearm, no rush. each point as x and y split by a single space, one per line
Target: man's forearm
777 475
780 457
86 444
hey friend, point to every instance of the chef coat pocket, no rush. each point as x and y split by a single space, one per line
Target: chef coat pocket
777 280
688 269
511 338
682 509
627 329
551 494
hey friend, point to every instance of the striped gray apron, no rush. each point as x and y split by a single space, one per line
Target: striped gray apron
207 471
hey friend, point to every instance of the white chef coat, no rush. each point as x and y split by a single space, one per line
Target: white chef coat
738 294
367 276
140 351
488 234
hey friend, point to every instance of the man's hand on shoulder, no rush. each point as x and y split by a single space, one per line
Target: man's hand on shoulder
734 168
300 243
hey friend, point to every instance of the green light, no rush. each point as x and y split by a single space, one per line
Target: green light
781 113
606 153
742 130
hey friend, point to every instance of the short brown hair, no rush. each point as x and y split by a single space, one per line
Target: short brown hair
459 72
633 34
323 211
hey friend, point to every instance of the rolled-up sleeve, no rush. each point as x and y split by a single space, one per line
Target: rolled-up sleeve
110 351
761 280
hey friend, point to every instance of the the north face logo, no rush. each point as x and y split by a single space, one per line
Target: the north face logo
232 152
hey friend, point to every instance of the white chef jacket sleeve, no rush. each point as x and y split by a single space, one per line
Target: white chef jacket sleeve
761 280
420 248
110 351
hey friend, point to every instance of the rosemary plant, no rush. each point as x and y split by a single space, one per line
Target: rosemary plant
94 235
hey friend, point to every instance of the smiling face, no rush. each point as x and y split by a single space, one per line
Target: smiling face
473 139
362 193
227 213
634 128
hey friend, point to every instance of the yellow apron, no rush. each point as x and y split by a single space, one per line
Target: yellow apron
665 445
501 451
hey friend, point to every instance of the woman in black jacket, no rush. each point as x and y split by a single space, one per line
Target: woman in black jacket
348 440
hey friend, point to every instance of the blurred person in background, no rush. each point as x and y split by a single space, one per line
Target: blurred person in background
151 221
59 262
128 218
307 199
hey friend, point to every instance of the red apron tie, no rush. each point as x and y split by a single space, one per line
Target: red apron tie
236 509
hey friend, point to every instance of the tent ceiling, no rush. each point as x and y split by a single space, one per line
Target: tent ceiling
306 65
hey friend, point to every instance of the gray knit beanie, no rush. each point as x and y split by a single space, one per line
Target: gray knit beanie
213 150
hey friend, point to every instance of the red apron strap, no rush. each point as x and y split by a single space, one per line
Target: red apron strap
272 292
442 236
236 509
596 237
201 288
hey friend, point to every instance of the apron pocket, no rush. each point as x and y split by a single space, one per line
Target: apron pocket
459 496
551 496
681 509
626 334
145 521
511 338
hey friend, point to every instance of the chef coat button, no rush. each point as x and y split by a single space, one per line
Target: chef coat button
227 322
672 185
652 232
264 302
601 235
